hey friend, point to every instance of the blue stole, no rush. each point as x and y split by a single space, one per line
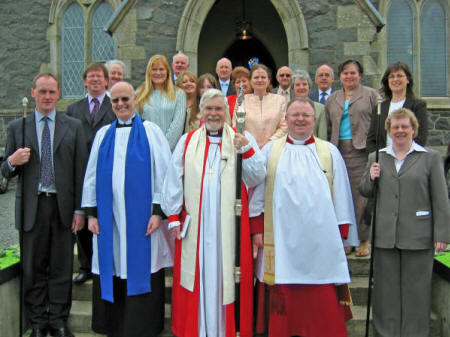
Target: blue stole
138 203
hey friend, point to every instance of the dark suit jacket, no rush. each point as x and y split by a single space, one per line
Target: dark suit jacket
105 116
417 106
69 162
413 210
314 95
230 90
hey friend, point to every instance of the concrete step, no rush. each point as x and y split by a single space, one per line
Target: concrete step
359 266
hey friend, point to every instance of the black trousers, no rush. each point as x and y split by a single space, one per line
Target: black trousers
47 263
84 247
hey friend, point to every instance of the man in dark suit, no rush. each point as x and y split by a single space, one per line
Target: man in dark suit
94 111
51 167
324 80
284 83
223 71
180 63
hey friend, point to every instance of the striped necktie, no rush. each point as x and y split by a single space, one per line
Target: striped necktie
47 176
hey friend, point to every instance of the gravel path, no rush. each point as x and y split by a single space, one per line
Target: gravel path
8 233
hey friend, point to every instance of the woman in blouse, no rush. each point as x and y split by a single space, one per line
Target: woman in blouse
160 101
348 113
265 112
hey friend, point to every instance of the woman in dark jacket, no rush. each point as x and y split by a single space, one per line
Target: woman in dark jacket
397 89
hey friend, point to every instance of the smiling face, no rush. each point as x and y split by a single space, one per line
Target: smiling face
324 77
300 120
284 77
180 63
350 77
245 84
398 82
158 75
115 74
223 69
95 82
46 94
213 113
259 81
301 87
205 85
401 131
123 101
189 85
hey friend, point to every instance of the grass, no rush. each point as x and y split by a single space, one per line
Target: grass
9 256
444 258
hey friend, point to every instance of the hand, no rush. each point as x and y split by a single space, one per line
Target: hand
375 171
440 246
240 140
258 242
20 157
77 222
93 226
176 232
153 224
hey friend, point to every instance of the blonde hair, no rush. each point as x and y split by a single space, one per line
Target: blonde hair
194 109
403 113
145 89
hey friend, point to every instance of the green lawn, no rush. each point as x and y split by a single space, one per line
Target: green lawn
9 256
444 258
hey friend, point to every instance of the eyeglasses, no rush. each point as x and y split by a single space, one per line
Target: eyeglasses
123 99
285 75
304 116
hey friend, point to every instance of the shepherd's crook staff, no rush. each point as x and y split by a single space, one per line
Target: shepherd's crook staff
240 125
22 218
374 217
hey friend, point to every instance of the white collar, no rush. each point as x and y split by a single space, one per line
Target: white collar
414 147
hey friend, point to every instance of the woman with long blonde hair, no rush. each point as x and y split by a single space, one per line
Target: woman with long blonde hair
160 101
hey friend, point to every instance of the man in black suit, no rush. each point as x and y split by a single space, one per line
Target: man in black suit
223 70
94 111
51 167
324 80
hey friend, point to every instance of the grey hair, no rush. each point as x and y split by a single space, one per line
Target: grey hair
212 93
224 59
110 63
332 71
302 75
179 53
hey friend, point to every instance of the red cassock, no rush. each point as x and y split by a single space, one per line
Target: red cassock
185 304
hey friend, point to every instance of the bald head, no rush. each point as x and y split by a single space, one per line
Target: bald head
123 100
223 69
284 77
324 77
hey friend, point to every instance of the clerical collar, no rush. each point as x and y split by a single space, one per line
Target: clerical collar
128 123
214 133
308 141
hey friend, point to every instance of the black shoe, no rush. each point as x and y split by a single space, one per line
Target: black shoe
61 332
38 332
82 277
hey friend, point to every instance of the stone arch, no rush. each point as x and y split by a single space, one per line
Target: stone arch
196 11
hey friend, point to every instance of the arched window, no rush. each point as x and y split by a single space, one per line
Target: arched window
433 49
72 51
102 45
83 41
400 31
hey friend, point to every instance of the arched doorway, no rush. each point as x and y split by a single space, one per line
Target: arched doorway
203 55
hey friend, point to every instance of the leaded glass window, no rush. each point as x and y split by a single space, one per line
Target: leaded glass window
72 51
400 28
433 50
102 45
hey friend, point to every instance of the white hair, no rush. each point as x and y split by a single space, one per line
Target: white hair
110 63
212 93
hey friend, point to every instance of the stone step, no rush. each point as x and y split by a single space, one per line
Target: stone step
359 266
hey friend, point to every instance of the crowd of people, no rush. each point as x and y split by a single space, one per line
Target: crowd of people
147 179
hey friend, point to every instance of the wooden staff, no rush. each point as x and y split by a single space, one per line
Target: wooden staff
22 218
240 126
374 217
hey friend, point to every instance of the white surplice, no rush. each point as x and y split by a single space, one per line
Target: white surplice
162 243
308 245
211 310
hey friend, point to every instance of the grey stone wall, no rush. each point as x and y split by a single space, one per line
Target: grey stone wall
438 127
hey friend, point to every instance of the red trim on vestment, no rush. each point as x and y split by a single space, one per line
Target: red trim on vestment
248 154
174 217
231 103
257 224
343 229
185 304
309 141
